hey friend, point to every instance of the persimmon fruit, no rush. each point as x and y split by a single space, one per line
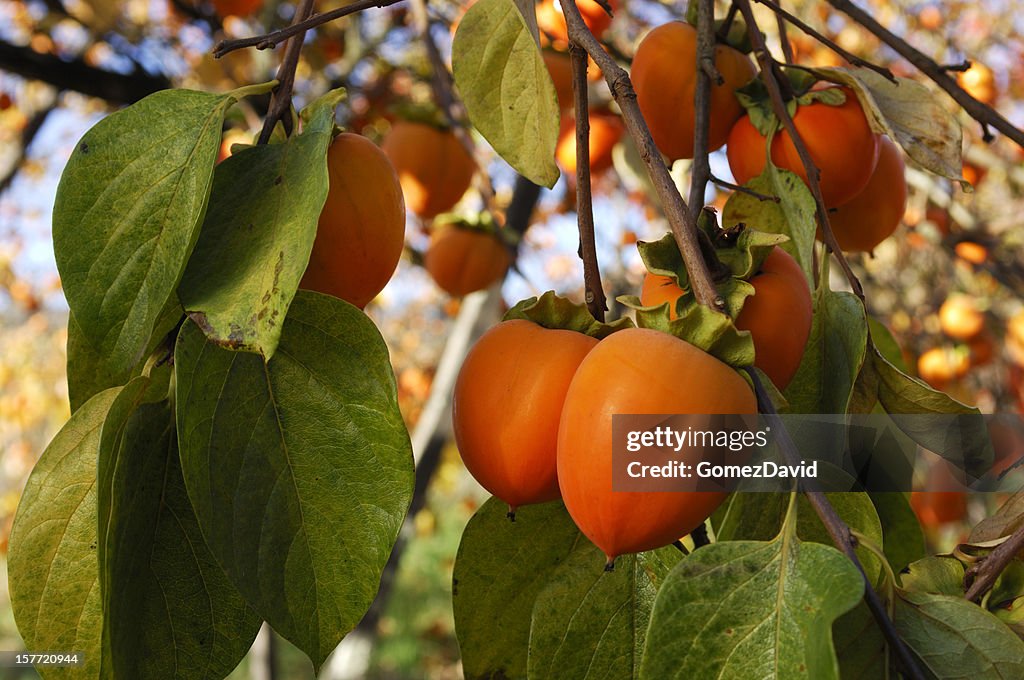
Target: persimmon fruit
435 170
960 318
560 69
462 261
980 82
940 366
778 314
664 76
507 404
638 371
605 132
838 138
551 20
875 213
361 230
936 508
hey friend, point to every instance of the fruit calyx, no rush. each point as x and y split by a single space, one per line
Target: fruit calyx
556 312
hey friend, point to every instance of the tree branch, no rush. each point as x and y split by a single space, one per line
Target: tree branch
980 577
769 75
595 298
684 227
263 42
837 529
77 76
701 171
848 56
977 110
281 98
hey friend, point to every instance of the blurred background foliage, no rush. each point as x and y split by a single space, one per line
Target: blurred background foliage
66 63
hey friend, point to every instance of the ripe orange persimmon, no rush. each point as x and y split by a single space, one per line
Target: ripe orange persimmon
839 139
605 132
972 252
960 318
778 314
551 21
935 508
560 69
664 76
638 371
979 82
434 168
940 366
507 404
361 231
873 214
238 8
462 261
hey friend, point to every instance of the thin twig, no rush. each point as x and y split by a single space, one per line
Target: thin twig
281 99
977 110
595 297
684 228
744 190
981 576
848 56
263 42
28 135
701 171
837 529
769 76
780 22
730 16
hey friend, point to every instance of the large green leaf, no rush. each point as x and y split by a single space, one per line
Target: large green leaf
833 357
52 562
501 568
751 609
955 638
904 540
506 87
127 215
258 234
860 646
589 623
299 469
170 609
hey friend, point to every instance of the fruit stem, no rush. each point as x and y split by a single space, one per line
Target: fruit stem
840 532
769 74
684 227
610 564
511 514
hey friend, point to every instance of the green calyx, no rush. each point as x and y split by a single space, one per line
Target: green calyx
553 311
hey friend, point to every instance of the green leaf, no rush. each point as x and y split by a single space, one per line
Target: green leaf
760 516
127 215
553 311
507 90
935 574
904 540
88 370
886 344
591 623
911 114
860 646
833 357
52 563
751 609
170 609
955 638
1006 520
793 215
299 469
255 242
501 568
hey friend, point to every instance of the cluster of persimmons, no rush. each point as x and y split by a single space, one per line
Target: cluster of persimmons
534 399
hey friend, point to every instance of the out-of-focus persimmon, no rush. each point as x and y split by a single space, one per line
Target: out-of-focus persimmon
434 168
960 318
238 8
462 260
551 21
605 132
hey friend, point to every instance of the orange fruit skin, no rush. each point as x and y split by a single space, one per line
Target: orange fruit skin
875 213
238 8
778 314
506 407
979 82
665 78
972 252
605 132
462 261
361 230
960 318
551 21
935 508
639 371
434 168
940 366
839 140
560 69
